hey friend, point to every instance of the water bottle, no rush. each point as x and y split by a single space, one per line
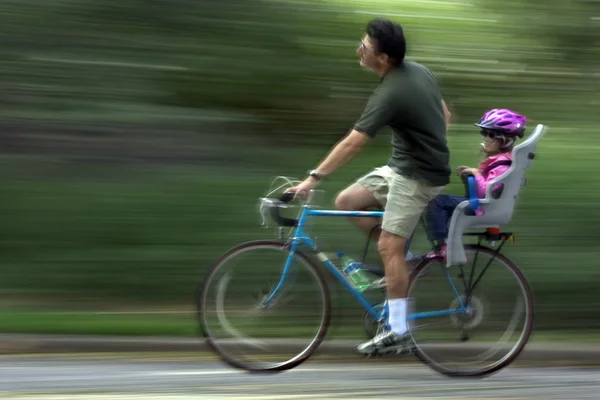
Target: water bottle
354 273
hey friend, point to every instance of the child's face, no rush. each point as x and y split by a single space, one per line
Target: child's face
491 144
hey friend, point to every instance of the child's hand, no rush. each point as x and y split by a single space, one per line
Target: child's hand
464 170
461 169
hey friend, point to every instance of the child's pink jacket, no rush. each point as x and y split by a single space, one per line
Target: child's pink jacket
482 180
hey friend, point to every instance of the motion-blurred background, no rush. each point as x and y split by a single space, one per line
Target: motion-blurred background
137 135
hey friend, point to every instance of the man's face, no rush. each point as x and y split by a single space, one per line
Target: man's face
369 58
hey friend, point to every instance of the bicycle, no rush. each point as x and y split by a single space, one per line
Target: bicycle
466 310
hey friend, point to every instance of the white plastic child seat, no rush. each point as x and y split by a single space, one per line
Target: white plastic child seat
498 211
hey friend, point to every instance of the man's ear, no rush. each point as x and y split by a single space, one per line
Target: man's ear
385 58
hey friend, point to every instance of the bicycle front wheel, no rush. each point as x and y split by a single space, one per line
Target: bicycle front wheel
473 319
262 310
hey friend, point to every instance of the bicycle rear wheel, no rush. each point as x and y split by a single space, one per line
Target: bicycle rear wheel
500 310
245 308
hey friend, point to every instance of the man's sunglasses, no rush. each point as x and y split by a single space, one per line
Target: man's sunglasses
363 47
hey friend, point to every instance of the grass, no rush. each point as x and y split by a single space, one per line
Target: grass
135 324
184 325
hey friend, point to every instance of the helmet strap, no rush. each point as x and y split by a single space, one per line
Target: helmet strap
507 141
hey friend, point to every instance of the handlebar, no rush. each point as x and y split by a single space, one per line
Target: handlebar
273 206
469 182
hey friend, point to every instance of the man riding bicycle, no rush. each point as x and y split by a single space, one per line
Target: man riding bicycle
409 101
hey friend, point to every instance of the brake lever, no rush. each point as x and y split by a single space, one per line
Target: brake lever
263 211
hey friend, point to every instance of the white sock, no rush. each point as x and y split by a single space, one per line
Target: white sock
397 318
409 256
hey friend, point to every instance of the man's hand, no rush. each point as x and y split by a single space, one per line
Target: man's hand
464 170
303 188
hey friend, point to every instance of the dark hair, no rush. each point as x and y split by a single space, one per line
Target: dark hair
389 38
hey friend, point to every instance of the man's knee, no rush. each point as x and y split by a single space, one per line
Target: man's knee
355 198
343 201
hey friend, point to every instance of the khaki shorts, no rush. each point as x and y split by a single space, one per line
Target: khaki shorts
404 199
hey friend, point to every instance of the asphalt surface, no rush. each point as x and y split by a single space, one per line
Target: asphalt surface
169 377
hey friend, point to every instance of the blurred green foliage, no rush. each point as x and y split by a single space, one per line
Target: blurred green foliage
286 67
137 135
144 235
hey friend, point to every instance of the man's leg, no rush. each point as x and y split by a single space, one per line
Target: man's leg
396 274
369 191
407 200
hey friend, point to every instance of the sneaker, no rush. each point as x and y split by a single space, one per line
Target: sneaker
443 252
440 251
386 343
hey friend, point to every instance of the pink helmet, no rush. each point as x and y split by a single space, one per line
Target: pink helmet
503 121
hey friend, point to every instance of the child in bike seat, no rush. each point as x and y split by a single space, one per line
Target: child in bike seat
500 129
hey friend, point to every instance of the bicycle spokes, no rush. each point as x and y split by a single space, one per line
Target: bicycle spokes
480 323
261 293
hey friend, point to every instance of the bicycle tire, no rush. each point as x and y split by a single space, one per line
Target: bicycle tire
524 338
243 247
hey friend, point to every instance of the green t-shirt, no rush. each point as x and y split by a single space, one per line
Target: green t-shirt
408 100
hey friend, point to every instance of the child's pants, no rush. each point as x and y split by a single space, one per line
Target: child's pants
439 213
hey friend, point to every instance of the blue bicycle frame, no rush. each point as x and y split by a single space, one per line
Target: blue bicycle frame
300 237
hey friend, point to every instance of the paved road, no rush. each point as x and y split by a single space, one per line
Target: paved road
170 377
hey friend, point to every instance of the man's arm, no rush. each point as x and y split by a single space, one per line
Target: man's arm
447 114
376 114
346 148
